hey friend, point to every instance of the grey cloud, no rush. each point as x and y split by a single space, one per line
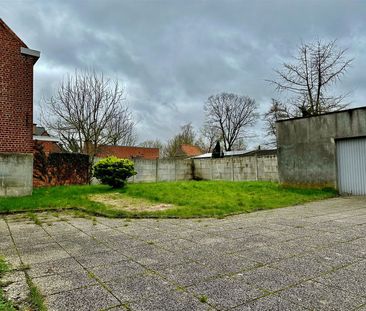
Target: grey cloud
172 55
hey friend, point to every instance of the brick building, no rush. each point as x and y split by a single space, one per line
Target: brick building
128 152
50 144
16 113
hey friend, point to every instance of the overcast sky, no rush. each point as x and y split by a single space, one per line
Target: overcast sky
171 55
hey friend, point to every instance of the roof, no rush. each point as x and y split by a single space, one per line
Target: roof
242 153
46 138
40 131
41 134
128 152
323 114
190 150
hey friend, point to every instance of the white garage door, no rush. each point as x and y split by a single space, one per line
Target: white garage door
351 161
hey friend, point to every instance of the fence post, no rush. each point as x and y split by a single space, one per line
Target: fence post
175 170
256 167
211 165
156 170
232 168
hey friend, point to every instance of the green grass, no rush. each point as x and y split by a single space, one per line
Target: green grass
5 305
53 198
220 198
35 298
190 198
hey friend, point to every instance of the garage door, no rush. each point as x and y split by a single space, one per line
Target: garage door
351 161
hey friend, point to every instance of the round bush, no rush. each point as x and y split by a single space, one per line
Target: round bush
113 171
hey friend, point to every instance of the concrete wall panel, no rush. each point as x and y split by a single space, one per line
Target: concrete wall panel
16 174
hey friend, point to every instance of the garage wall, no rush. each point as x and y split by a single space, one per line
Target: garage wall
307 146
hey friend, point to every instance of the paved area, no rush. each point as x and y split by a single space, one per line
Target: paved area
309 257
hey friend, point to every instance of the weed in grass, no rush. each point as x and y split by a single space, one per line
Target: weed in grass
23 267
5 305
91 275
34 218
150 242
4 267
127 306
35 297
203 299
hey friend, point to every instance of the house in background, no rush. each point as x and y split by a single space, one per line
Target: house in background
241 153
128 152
188 151
50 144
16 113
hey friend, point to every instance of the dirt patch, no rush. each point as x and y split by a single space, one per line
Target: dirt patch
118 201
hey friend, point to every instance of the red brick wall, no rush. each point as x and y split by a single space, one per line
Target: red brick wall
16 94
50 147
128 152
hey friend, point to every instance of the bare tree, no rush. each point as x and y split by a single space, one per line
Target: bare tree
209 135
230 114
120 129
87 111
152 144
316 67
277 111
185 136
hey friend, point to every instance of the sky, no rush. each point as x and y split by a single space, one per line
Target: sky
171 55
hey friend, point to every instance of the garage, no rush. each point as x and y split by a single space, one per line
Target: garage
326 150
351 166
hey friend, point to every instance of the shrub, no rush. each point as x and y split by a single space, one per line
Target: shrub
113 171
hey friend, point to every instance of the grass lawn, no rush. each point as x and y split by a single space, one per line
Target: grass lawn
166 199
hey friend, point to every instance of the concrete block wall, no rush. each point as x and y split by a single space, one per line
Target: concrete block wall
232 169
237 168
161 170
166 170
16 174
146 171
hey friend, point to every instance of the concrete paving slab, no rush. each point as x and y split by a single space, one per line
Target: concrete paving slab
42 252
188 274
54 266
269 279
122 269
91 298
270 303
308 257
316 296
100 259
66 281
226 292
